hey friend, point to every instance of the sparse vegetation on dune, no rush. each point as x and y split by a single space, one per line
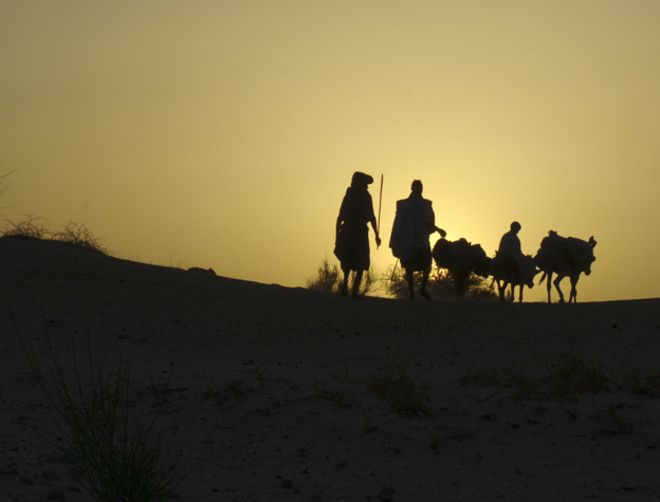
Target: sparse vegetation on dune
564 377
329 278
405 395
646 385
3 181
34 227
114 453
440 285
79 235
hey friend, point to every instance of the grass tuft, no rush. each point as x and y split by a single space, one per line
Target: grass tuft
113 454
566 377
337 397
646 385
400 391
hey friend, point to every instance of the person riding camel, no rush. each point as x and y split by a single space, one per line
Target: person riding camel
510 246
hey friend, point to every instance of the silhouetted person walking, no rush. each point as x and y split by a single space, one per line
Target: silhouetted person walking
352 232
413 224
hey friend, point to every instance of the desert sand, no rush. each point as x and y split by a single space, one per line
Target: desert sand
280 394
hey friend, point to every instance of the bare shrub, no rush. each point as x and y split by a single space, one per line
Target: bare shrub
329 279
73 233
369 282
440 285
79 235
3 181
481 289
33 227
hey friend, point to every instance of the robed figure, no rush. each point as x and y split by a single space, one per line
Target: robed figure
413 224
352 231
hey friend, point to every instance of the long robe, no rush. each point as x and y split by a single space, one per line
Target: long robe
413 223
352 245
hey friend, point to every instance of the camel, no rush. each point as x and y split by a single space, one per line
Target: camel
461 258
564 256
506 270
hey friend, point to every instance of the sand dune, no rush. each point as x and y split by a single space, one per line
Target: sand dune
282 394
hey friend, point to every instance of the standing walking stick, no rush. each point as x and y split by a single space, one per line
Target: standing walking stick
380 202
394 270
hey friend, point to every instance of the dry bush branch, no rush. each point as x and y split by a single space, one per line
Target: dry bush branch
329 278
33 227
440 285
79 235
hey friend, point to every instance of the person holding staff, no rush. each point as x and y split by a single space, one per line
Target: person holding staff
352 231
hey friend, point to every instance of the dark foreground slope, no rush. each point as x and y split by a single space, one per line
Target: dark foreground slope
281 394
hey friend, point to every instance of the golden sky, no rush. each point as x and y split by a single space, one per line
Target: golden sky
223 133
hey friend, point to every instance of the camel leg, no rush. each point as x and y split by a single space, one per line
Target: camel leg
501 287
573 296
520 293
356 283
464 280
556 283
459 284
549 285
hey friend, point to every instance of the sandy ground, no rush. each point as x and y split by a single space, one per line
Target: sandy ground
282 394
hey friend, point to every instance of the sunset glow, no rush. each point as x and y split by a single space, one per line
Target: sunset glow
224 134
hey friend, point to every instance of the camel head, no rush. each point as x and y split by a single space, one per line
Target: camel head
528 271
592 244
481 264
